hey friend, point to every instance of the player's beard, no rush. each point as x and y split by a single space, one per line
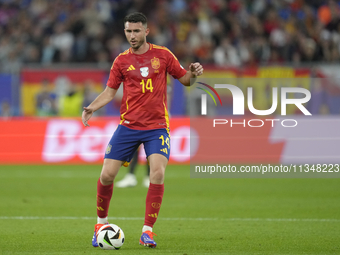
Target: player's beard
138 44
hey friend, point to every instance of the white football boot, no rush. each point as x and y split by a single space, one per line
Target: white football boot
129 180
146 181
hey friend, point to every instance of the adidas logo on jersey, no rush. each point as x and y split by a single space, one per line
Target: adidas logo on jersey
164 150
131 68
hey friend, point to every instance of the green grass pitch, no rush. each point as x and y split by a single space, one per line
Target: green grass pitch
51 209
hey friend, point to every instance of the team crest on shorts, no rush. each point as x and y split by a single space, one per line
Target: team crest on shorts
155 63
144 71
108 149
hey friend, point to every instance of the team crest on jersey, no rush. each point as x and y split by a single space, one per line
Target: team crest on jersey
155 63
144 71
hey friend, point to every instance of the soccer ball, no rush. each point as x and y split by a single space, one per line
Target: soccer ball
110 237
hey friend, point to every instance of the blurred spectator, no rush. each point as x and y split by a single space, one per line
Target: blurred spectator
62 41
226 54
12 63
70 103
48 51
222 32
5 111
89 95
46 100
214 32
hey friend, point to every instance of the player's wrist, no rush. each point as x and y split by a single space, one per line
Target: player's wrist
90 109
193 75
193 78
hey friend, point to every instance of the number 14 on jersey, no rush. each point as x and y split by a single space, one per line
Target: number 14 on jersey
146 84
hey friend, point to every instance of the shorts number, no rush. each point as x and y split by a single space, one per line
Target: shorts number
167 141
148 85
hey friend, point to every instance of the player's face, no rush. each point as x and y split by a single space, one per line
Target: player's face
135 34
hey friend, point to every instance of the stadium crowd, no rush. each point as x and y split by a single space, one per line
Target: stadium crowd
220 32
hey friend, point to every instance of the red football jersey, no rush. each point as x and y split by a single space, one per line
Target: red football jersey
144 77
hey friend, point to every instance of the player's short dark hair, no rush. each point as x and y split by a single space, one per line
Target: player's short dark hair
136 17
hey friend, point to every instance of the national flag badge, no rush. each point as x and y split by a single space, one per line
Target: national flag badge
108 149
144 71
155 63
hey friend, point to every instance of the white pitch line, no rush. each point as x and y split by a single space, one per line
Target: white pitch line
166 219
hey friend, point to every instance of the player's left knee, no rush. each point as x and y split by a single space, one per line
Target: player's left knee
107 178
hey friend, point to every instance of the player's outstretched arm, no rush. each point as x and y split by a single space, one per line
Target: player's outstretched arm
195 69
104 98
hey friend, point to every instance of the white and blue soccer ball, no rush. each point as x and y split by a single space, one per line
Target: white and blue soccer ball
110 237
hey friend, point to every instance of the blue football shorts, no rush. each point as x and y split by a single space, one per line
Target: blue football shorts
125 141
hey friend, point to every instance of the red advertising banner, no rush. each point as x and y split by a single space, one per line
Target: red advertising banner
22 141
67 141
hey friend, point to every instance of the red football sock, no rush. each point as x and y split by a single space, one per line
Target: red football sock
153 203
104 194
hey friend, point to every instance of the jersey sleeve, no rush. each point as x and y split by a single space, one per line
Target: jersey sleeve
174 68
116 76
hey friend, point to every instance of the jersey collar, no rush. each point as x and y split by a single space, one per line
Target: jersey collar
150 48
